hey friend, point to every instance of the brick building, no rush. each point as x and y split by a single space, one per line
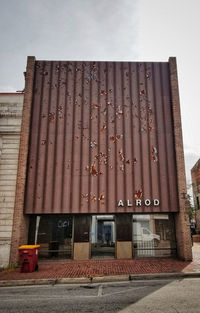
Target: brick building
101 165
195 173
10 125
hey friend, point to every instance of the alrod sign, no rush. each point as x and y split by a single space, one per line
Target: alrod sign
138 202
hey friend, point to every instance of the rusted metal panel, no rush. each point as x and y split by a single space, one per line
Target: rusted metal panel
101 132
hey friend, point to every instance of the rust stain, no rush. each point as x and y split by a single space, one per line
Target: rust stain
93 171
51 117
103 128
138 194
121 156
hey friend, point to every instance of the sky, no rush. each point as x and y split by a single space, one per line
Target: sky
112 30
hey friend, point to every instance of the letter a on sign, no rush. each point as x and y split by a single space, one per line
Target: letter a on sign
120 203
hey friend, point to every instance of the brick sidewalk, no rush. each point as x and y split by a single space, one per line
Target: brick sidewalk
106 267
194 266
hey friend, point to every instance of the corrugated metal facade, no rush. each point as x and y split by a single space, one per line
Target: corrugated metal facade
101 132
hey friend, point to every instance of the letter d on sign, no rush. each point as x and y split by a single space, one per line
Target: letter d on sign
156 202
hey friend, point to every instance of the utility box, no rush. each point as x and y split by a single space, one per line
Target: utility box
28 258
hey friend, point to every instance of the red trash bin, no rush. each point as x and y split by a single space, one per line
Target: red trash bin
28 258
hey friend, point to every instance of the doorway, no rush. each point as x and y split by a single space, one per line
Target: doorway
103 236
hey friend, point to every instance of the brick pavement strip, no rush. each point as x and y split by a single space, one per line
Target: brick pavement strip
93 270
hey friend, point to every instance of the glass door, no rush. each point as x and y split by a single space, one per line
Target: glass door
103 236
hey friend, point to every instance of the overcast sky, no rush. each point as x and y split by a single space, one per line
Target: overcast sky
146 30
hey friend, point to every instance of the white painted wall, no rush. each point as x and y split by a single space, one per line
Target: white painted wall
10 126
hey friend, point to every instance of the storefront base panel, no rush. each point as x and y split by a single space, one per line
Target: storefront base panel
81 250
124 250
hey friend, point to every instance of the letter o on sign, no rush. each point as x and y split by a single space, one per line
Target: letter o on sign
147 202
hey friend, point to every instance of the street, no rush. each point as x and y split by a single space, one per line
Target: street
153 296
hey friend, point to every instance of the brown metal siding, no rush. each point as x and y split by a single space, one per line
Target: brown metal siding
101 132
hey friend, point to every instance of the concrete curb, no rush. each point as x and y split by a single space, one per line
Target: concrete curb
164 276
101 279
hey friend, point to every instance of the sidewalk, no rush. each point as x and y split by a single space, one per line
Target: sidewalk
90 270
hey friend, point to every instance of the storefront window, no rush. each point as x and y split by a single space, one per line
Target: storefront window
153 235
54 235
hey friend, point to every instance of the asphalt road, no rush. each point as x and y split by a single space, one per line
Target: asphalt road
153 296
